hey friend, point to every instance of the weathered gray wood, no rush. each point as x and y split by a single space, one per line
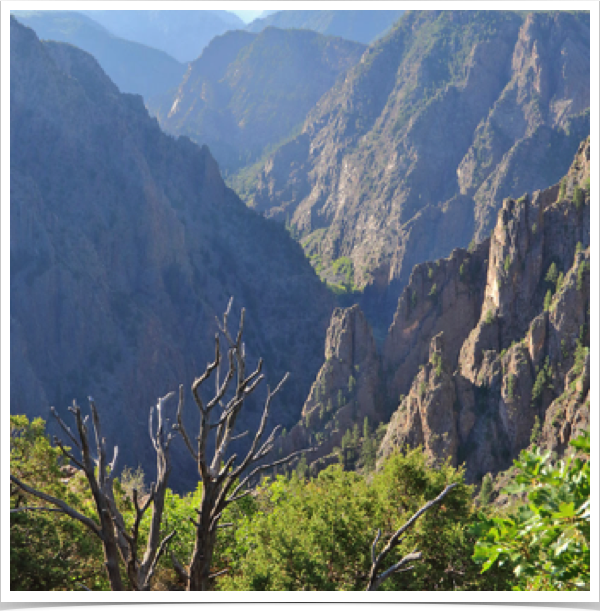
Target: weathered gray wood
219 473
376 580
120 546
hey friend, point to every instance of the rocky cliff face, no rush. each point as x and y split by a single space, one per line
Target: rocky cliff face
443 296
125 244
488 350
414 151
346 390
247 92
526 357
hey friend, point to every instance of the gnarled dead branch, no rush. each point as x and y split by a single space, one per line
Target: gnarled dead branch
224 478
376 580
119 544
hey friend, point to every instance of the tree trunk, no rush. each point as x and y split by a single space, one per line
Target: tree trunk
201 561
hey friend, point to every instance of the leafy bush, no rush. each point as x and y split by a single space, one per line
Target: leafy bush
317 535
552 274
547 537
48 550
543 380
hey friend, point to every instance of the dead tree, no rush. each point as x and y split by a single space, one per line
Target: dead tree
376 580
224 480
118 544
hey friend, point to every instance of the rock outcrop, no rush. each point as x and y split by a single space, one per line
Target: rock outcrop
526 358
346 390
133 67
412 154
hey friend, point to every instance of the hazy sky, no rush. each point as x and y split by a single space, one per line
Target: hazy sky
247 16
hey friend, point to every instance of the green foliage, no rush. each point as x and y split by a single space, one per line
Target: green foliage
489 317
351 384
436 361
507 263
48 550
583 275
547 537
563 189
510 386
536 431
581 352
433 292
559 282
344 267
413 299
368 451
552 274
131 480
578 197
543 380
317 535
430 273
487 488
547 300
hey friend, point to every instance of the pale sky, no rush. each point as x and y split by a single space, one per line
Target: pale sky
247 16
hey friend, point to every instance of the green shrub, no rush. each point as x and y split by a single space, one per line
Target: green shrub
547 537
543 380
578 197
582 272
547 300
563 189
552 274
510 386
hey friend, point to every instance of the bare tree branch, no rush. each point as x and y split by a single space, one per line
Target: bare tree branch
181 428
223 481
374 580
61 505
119 545
64 427
20 509
179 569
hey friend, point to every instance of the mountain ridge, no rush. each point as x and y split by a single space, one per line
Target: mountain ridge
133 67
488 350
247 92
125 245
376 180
